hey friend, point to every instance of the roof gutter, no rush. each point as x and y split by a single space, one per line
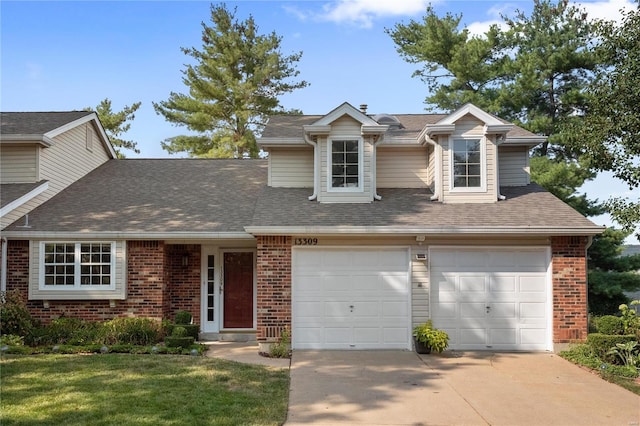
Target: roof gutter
407 231
316 172
128 235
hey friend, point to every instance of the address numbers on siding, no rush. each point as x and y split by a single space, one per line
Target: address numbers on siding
305 241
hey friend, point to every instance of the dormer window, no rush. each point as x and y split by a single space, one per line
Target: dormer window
467 161
345 163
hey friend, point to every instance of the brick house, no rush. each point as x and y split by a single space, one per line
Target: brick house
356 228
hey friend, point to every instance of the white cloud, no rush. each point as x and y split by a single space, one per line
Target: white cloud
608 9
362 13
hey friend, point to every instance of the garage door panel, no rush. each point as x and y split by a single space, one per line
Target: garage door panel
503 336
503 283
512 283
472 310
472 336
472 284
363 294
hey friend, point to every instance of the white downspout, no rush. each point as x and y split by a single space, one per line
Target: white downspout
497 171
374 176
437 172
3 278
316 172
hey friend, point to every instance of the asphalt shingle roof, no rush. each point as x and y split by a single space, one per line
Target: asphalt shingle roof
36 123
10 192
161 195
170 196
289 126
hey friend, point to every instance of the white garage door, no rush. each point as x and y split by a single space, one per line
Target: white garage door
492 299
350 298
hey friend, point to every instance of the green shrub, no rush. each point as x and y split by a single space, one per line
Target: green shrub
602 344
282 348
183 317
67 331
609 324
134 331
179 331
14 315
193 330
630 321
178 341
620 371
11 340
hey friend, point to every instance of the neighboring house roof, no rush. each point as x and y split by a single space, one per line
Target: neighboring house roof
165 196
14 194
42 127
32 123
208 198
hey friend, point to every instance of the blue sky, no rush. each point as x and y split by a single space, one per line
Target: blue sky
66 55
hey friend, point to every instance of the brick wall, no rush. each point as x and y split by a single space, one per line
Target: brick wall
146 289
274 286
183 280
569 269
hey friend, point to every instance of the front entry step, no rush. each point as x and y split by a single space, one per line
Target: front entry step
235 336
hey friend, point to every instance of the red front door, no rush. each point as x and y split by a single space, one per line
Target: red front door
238 290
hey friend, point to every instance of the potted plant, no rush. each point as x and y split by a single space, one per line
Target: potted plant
427 339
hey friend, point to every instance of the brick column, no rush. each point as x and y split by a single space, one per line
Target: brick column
569 269
146 287
18 267
274 286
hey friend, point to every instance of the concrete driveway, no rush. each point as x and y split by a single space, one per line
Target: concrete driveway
470 388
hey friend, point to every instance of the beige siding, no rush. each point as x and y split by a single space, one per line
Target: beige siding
291 168
402 167
513 166
469 126
346 127
431 167
120 292
22 210
68 159
18 164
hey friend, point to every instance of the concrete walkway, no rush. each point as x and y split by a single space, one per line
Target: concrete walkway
245 352
474 388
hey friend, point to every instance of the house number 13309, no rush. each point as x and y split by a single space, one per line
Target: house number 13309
306 241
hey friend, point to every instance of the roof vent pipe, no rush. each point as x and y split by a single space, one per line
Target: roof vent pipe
363 108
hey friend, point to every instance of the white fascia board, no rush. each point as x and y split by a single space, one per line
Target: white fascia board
315 129
374 130
26 197
404 231
89 117
525 140
481 115
43 140
439 129
346 109
281 142
26 234
493 129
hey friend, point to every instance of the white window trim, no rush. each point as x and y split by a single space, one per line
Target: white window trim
483 164
360 187
76 286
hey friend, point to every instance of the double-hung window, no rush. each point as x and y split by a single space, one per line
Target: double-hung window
77 266
467 170
345 164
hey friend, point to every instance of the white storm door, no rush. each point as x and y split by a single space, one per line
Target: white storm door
210 291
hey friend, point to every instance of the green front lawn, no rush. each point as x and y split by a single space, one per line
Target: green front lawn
119 389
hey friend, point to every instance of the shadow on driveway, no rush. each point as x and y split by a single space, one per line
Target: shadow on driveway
403 388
